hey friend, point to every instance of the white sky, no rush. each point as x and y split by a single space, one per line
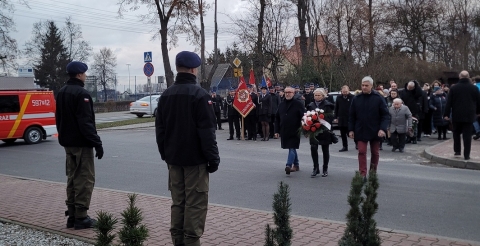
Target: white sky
127 37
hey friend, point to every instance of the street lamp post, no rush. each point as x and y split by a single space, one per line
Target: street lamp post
128 64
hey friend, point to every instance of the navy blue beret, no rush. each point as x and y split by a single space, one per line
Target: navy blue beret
188 59
311 84
76 67
232 89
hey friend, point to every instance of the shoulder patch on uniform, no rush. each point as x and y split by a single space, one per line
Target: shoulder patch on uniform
86 100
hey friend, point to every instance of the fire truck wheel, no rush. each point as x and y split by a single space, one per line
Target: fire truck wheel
33 135
9 141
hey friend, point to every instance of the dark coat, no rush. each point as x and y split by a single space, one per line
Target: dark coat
74 116
411 99
264 105
423 104
231 111
217 103
438 102
308 98
288 121
368 115
325 137
185 124
342 108
275 102
463 101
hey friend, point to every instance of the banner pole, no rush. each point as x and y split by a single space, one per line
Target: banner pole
242 129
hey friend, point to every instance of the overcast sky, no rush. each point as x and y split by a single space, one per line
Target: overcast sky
127 37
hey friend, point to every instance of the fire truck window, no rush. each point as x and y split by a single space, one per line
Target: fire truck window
9 104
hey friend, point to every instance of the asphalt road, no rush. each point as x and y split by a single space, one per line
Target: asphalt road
414 195
115 116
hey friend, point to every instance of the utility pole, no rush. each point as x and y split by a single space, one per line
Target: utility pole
128 64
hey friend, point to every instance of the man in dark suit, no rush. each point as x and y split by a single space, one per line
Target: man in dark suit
275 102
251 119
342 109
463 102
217 101
233 115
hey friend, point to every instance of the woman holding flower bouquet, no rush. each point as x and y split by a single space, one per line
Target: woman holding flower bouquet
320 109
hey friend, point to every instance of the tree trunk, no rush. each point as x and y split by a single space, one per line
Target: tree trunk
166 58
215 49
302 20
204 83
259 61
371 45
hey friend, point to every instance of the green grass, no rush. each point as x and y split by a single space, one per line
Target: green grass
125 122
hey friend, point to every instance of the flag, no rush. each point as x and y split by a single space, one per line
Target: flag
264 83
251 80
269 83
243 102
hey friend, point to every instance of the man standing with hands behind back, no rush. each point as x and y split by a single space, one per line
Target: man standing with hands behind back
463 101
368 122
185 133
77 133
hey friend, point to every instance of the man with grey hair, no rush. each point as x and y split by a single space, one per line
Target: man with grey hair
398 125
368 122
463 102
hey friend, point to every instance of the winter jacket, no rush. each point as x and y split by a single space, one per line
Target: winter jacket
368 115
411 99
400 120
288 121
342 108
463 101
438 102
264 104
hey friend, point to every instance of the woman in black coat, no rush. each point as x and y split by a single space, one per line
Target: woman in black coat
324 139
264 111
288 120
438 101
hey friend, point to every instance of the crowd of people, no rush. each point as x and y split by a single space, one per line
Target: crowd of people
410 113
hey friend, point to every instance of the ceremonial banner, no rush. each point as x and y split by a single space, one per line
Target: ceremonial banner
251 80
269 83
243 102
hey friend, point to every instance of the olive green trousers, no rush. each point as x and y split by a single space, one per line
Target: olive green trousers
189 190
80 172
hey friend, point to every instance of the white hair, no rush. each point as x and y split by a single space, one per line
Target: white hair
321 91
398 100
367 79
464 74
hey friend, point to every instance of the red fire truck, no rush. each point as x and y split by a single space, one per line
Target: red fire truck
27 114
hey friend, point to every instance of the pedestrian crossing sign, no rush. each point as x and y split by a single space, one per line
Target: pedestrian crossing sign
147 56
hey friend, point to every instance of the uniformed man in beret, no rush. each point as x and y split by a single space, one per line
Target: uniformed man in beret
233 115
217 108
185 133
77 133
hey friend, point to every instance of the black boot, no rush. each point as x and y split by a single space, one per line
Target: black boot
71 218
84 223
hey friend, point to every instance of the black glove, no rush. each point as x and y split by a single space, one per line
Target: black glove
99 152
212 167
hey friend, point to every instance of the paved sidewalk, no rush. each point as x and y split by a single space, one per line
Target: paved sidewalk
40 204
443 153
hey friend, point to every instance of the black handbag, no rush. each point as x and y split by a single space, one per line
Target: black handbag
333 137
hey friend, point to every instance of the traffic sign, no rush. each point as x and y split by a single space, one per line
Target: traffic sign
147 56
236 62
148 69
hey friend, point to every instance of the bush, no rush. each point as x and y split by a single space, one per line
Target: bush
361 227
104 227
282 234
132 233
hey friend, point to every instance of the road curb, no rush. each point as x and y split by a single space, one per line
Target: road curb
457 163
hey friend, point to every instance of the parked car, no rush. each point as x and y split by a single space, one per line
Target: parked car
146 105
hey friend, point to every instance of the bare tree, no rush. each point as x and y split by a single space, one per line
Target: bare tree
77 48
164 11
8 45
104 64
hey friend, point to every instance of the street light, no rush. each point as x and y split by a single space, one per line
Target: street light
128 64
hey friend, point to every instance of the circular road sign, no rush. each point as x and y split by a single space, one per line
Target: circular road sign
148 69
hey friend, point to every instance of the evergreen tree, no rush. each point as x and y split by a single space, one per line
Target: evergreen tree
132 233
282 207
50 71
104 227
361 227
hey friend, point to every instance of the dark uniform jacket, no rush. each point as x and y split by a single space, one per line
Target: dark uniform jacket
308 98
217 103
325 137
275 102
185 124
342 107
264 104
74 116
255 101
288 121
368 115
231 111
463 101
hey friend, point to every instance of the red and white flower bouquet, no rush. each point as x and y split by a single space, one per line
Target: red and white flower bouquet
313 123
